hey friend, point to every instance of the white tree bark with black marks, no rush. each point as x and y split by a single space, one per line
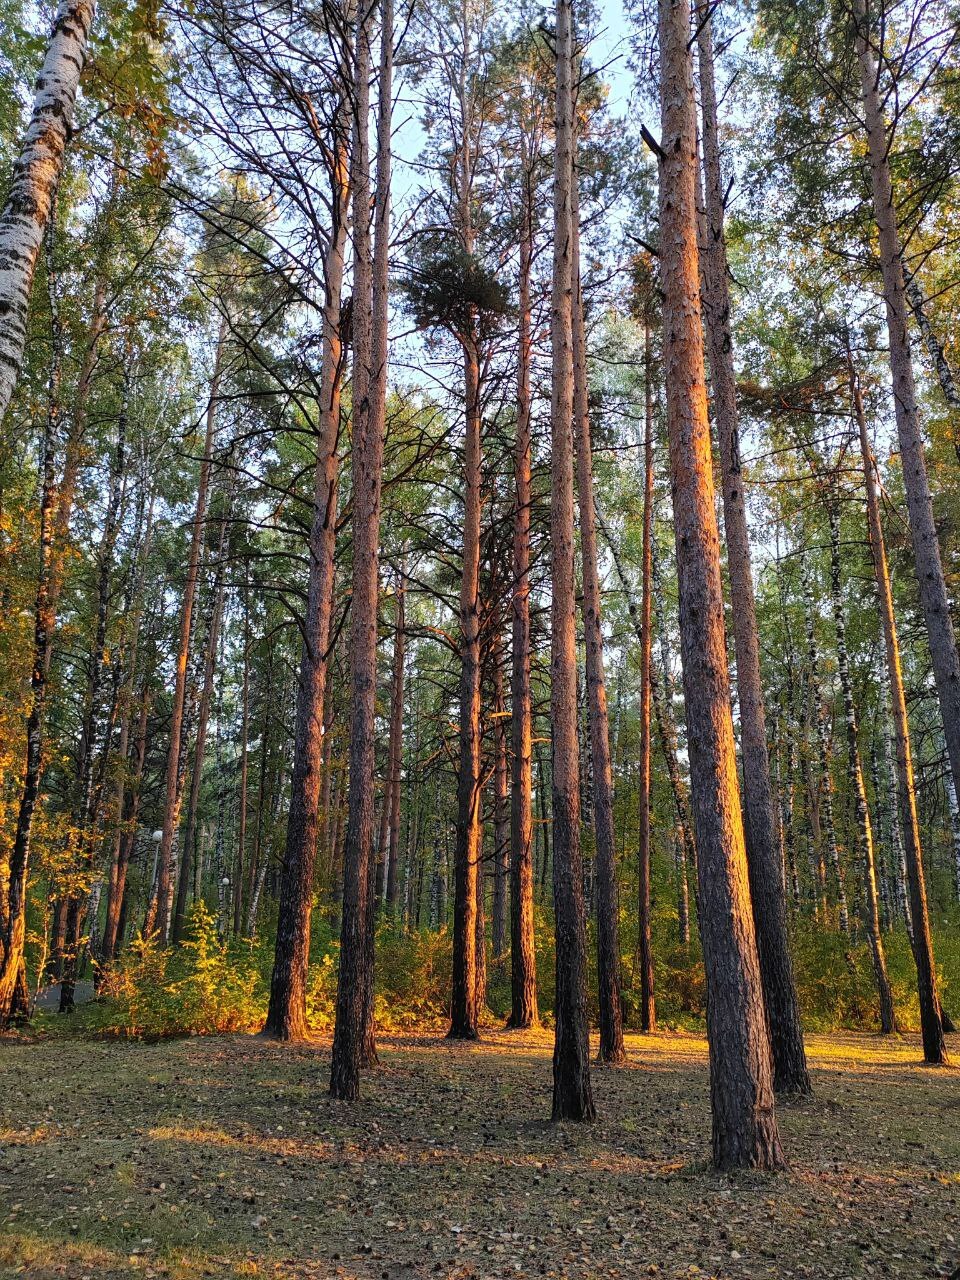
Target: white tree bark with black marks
33 187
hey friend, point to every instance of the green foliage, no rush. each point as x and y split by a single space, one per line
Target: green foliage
205 986
454 290
413 980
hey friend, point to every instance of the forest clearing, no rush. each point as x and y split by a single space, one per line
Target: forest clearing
479 678
226 1156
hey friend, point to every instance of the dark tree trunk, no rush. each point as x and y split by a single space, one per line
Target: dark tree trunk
392 802
523 966
923 529
931 1024
648 1013
354 1044
766 878
501 811
572 1094
158 909
855 774
744 1122
287 1011
608 933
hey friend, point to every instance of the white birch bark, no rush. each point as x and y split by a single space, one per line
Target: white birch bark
35 177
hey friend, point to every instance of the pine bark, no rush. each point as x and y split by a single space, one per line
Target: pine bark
572 1094
501 812
88 797
523 965
648 1010
464 1011
763 862
825 824
287 1010
855 775
188 854
923 531
607 904
395 754
353 1038
931 1024
158 909
744 1121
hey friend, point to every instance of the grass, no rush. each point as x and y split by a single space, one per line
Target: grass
226 1157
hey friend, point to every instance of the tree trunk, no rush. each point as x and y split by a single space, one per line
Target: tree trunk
88 796
391 801
934 1049
244 739
15 914
766 879
287 1011
744 1121
572 1094
158 910
523 964
187 859
608 933
923 530
501 811
36 175
666 730
824 796
353 1042
855 774
648 1012
938 357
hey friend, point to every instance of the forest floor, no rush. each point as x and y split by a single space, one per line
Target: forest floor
226 1157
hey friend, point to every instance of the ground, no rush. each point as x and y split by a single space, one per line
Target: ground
226 1157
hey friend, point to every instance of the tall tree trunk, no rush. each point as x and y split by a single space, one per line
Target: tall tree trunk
934 1049
158 910
608 933
287 1010
662 713
855 774
127 794
377 393
744 1121
683 888
15 914
648 1012
935 351
188 855
244 739
763 862
391 800
464 1011
523 964
572 1094
36 175
501 811
825 792
353 1043
923 529
88 795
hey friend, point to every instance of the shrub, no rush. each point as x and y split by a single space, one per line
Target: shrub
205 986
